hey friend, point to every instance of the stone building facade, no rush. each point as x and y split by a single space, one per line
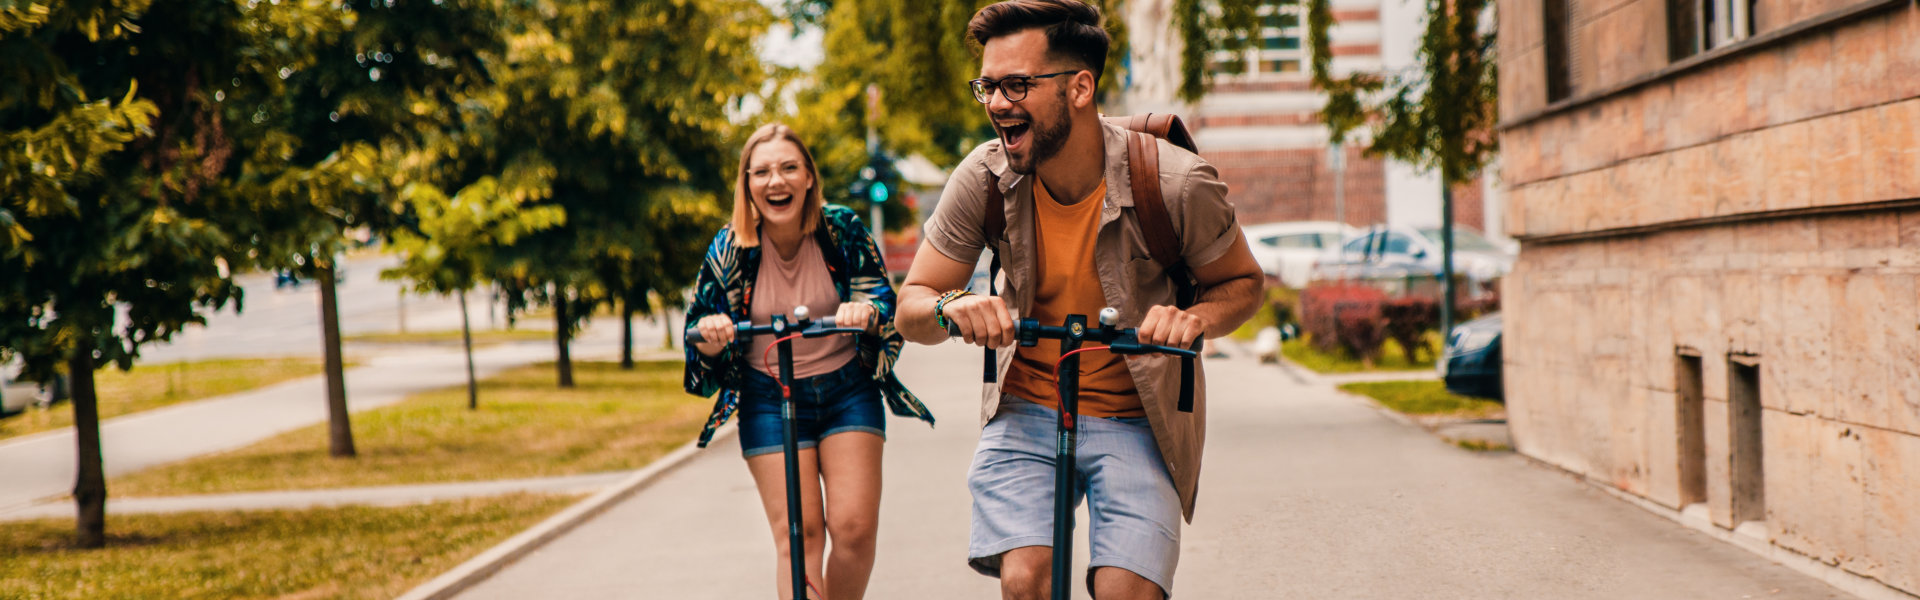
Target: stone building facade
1717 304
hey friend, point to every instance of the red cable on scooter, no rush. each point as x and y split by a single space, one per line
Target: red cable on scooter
764 362
1058 393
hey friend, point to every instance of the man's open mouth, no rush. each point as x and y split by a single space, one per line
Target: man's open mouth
1014 134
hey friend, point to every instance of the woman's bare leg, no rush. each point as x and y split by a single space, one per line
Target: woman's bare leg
850 469
770 476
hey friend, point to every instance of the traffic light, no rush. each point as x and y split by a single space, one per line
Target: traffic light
877 181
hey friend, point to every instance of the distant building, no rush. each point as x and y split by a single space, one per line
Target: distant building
1716 309
1258 123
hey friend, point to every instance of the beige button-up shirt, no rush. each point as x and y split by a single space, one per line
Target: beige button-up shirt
1130 278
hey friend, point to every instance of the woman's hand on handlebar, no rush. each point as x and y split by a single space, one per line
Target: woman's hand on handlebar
1169 326
717 330
982 320
857 314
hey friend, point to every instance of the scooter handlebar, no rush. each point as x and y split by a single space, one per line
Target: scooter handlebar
823 326
1119 341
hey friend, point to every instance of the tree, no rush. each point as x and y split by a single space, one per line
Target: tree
455 237
1440 116
628 102
354 85
118 227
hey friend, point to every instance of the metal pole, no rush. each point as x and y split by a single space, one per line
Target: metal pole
1446 258
796 541
1338 155
1065 471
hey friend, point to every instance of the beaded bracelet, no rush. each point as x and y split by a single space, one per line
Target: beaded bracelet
940 306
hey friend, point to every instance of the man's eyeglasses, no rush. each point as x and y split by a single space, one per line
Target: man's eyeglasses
1014 87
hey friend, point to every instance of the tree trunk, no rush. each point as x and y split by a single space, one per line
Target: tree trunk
561 336
466 339
666 318
626 334
90 487
339 430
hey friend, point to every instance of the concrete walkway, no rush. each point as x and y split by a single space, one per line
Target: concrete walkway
1307 493
42 466
392 495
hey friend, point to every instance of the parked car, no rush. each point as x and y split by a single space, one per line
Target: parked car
17 394
1287 251
1406 250
1470 363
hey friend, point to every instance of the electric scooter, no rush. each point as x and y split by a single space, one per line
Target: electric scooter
1071 335
800 326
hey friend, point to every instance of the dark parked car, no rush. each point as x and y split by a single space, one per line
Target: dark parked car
1470 364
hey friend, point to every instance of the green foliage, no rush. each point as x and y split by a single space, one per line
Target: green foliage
110 191
1209 26
918 57
1441 116
629 104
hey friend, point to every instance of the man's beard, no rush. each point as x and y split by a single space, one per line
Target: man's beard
1047 141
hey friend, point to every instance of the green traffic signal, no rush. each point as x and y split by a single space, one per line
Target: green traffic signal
878 192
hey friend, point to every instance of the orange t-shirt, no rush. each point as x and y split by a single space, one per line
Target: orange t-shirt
1068 284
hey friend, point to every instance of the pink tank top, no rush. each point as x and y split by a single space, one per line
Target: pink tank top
784 284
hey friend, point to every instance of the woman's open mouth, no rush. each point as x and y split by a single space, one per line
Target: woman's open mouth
779 201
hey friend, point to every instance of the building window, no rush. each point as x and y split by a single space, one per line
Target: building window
1695 26
1280 51
1560 47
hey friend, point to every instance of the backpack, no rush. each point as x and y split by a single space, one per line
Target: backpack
1150 209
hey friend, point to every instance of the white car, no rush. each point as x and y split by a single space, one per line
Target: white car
1288 250
1416 251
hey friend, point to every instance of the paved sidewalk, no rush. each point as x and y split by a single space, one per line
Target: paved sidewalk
1307 493
41 466
391 495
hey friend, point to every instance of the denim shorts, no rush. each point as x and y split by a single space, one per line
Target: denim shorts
838 402
1131 501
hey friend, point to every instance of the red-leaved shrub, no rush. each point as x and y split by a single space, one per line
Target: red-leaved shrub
1408 319
1339 315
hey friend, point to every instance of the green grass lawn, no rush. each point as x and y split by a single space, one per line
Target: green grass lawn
355 552
525 427
147 387
1391 358
1426 398
452 338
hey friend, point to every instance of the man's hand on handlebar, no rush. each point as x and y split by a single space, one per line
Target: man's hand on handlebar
717 331
982 320
1169 326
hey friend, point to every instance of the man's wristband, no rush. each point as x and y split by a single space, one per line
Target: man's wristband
940 306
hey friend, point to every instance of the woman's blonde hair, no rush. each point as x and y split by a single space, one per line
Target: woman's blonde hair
746 216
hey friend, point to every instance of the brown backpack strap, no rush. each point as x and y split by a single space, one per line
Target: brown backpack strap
1143 172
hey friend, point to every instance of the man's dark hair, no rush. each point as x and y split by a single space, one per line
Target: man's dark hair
1072 27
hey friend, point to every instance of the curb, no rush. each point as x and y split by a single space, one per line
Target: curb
479 568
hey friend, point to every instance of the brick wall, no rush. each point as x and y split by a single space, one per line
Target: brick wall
1296 185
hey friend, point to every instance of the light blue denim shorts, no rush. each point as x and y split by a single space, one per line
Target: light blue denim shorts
1131 501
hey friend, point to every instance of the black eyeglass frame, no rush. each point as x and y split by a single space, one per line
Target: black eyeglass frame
983 88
